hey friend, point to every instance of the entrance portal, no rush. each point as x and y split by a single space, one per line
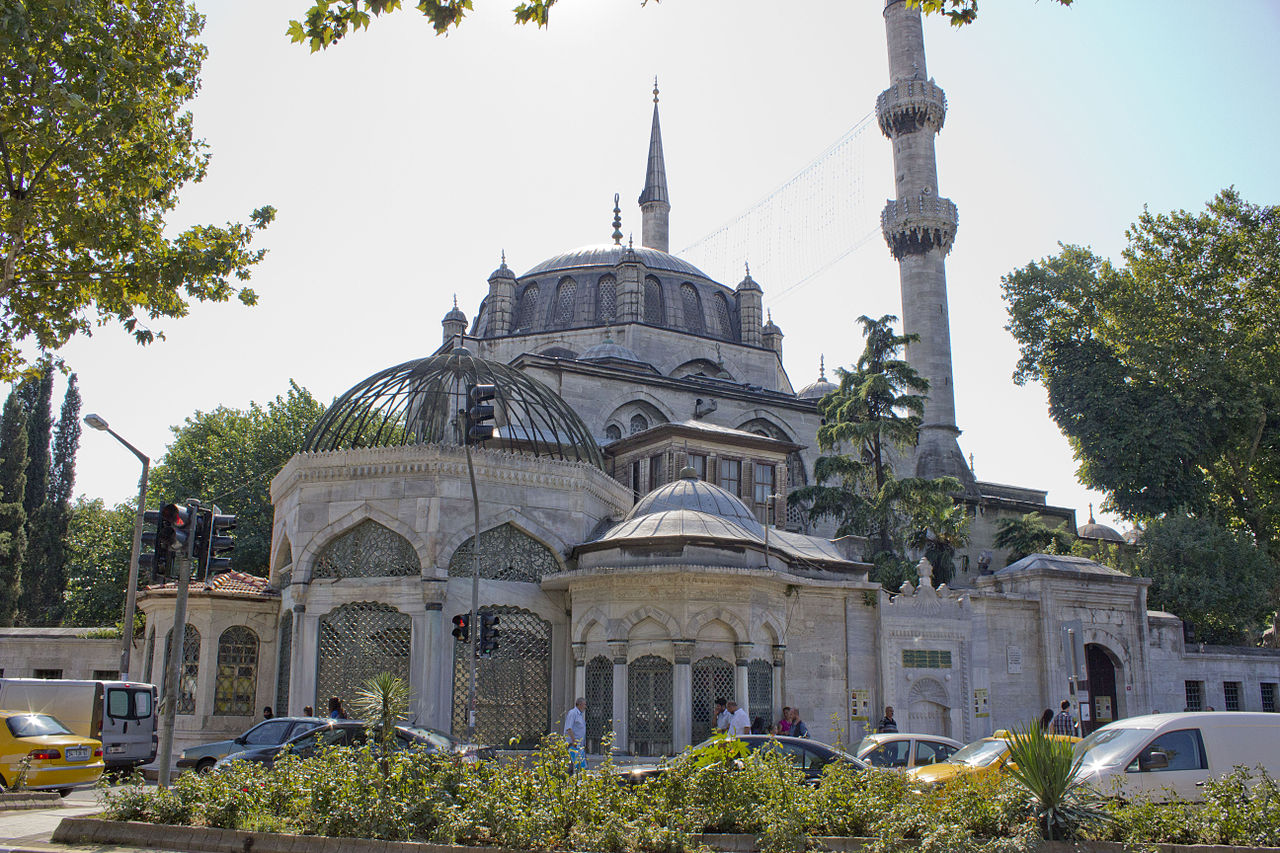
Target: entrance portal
1102 687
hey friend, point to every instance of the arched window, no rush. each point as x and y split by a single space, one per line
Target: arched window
565 292
599 678
236 684
760 689
506 554
606 300
712 679
367 550
613 432
653 311
692 309
284 663
513 684
723 318
358 641
649 706
190 672
638 424
528 307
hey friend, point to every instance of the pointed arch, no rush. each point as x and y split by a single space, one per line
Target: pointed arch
367 550
507 553
528 310
546 537
728 617
594 616
566 299
655 313
304 562
607 299
657 614
691 304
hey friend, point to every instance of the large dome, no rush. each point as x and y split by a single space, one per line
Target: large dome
608 254
417 403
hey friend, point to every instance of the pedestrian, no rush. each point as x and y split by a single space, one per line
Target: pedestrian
887 722
739 722
1046 720
575 732
1063 722
798 728
757 725
335 709
784 722
267 713
722 715
308 711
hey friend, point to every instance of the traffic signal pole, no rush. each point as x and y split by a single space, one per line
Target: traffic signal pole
131 591
173 673
473 625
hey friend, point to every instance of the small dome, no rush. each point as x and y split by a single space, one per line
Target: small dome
503 271
608 350
455 313
690 493
748 283
820 388
1093 530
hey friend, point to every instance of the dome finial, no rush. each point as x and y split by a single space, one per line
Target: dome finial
504 257
655 88
747 264
455 300
617 221
822 368
1091 521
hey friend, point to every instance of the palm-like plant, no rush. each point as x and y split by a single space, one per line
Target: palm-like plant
1046 767
383 700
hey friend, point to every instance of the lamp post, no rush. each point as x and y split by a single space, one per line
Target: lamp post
131 591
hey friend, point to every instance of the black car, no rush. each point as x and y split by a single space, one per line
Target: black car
810 756
333 733
268 733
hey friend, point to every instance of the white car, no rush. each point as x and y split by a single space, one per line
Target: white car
904 749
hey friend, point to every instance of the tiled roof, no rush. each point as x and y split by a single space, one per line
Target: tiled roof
228 583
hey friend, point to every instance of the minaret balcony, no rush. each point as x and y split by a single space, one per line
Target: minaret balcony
911 105
917 225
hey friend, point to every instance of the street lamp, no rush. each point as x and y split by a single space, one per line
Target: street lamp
131 592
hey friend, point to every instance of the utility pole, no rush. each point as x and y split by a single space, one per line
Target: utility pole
173 673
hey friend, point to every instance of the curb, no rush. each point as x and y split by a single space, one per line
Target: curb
14 801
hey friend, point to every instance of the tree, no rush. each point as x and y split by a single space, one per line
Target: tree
99 542
1164 372
36 394
46 579
228 456
1212 577
327 21
13 518
1030 535
94 149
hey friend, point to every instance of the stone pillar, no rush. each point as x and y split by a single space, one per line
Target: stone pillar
579 671
682 695
750 311
742 658
630 298
618 651
779 673
307 626
295 649
426 632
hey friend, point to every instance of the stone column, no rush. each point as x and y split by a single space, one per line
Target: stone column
682 695
779 673
307 634
618 651
579 671
742 657
426 628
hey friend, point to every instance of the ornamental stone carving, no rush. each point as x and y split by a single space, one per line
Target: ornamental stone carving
914 226
911 105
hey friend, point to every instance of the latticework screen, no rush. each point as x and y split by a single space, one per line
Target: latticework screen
358 641
506 554
649 688
190 673
235 687
284 666
760 691
368 550
712 679
599 695
513 685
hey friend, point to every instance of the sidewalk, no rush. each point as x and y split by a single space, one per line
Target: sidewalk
28 830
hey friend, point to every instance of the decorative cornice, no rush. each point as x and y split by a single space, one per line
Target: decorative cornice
911 105
914 226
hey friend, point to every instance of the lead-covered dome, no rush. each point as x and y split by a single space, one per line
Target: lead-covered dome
417 402
690 493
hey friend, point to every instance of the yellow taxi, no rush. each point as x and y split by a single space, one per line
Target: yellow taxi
989 755
55 758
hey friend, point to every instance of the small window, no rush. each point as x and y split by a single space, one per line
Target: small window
565 293
1268 696
692 309
655 471
53 674
926 659
118 704
653 309
142 704
698 462
635 480
613 432
731 475
106 675
638 424
1195 695
932 752
606 300
1183 750
1231 695
895 753
764 482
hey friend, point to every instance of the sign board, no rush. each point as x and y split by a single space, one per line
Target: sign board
860 705
980 708
1013 659
1082 696
1103 704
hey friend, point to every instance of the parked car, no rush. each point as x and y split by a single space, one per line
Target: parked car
811 756
988 755
332 733
272 732
57 758
445 742
905 750
1176 752
120 714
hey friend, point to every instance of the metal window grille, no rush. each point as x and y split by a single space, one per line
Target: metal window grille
796 479
528 307
1195 695
760 691
606 300
649 686
565 293
106 675
190 672
1269 697
712 679
613 432
599 677
368 550
47 674
692 309
151 654
358 641
722 317
513 685
285 664
235 686
653 313
926 659
506 554
638 424
1231 695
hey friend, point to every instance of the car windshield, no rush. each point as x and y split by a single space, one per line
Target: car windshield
980 753
1108 747
437 739
35 725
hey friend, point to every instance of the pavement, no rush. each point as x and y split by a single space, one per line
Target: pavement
28 830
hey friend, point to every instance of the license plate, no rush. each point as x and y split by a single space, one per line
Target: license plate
77 753
115 750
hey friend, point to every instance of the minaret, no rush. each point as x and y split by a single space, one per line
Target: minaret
655 207
919 227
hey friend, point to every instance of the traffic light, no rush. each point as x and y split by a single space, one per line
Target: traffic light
173 530
488 634
479 414
212 541
150 558
462 627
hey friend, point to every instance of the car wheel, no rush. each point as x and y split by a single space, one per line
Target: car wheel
204 765
64 792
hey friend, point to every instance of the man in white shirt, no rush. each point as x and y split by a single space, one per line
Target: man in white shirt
722 716
739 722
575 732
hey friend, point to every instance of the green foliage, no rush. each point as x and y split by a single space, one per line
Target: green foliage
959 12
1164 372
1046 768
97 147
1214 578
1030 535
384 699
13 518
1240 809
228 456
99 541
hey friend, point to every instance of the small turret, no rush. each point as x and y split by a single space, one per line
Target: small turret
750 312
655 206
629 275
454 323
772 336
502 298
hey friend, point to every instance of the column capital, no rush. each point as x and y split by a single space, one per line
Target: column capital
742 653
779 654
618 651
579 654
683 651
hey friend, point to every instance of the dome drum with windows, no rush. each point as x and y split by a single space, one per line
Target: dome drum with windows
421 401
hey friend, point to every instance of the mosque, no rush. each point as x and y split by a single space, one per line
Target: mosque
633 537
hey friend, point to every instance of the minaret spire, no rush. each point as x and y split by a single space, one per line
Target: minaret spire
920 226
655 206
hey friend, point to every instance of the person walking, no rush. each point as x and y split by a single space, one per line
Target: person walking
1063 722
739 722
575 732
887 722
798 728
722 715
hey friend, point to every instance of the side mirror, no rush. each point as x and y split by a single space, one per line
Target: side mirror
1153 761
240 740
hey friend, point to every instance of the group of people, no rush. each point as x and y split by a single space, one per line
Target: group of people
732 718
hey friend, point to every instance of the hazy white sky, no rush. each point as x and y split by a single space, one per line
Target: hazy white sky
402 164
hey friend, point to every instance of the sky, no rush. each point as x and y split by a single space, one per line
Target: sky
402 164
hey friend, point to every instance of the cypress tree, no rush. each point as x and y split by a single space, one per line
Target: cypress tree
13 483
36 394
46 578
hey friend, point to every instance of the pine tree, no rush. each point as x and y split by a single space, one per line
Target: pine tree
46 579
13 483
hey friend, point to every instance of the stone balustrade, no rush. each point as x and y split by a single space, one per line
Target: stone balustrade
911 105
917 225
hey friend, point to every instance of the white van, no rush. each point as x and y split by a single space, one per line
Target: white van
121 714
1146 755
